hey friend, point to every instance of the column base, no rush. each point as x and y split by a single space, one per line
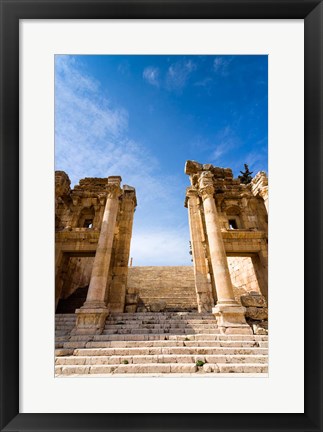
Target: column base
90 321
231 319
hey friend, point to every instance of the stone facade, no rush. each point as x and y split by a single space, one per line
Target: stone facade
93 225
229 236
210 317
227 219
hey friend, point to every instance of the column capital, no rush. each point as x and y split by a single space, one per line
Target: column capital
264 192
191 192
207 191
113 191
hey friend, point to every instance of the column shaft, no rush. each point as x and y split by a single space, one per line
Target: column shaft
219 261
205 300
101 265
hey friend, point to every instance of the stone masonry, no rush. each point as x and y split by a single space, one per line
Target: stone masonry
227 219
210 317
93 224
172 288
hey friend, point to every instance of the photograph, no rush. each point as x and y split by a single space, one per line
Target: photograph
161 215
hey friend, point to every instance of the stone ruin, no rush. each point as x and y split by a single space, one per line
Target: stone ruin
93 225
229 239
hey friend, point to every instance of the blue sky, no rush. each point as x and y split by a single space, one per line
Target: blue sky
142 117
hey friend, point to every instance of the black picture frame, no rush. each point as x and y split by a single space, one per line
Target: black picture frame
11 12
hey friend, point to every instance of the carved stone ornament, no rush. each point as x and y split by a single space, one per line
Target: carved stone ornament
191 192
113 191
207 191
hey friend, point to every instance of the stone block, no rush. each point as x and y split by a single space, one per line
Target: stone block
158 306
253 299
211 368
257 313
260 329
131 308
131 299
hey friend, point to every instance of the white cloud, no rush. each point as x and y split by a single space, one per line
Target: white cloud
224 141
178 74
158 245
221 65
204 82
91 140
151 75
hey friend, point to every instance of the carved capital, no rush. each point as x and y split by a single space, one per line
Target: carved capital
207 191
264 192
113 191
191 192
205 179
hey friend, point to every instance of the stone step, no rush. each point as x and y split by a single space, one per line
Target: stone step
183 290
186 303
170 350
64 327
160 321
168 358
139 331
155 297
164 326
63 338
135 344
160 368
169 337
62 332
160 316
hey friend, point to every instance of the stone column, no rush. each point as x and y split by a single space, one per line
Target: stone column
203 287
264 195
259 186
91 317
117 293
230 315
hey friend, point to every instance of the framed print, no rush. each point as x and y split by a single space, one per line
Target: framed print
42 47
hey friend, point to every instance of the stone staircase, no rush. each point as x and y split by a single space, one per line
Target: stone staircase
173 285
157 344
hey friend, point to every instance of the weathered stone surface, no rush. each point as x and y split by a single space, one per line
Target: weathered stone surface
228 228
115 354
131 299
191 167
253 300
257 313
131 308
172 284
158 306
96 212
260 329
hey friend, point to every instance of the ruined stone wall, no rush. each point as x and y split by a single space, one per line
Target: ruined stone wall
174 285
78 220
243 276
234 217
